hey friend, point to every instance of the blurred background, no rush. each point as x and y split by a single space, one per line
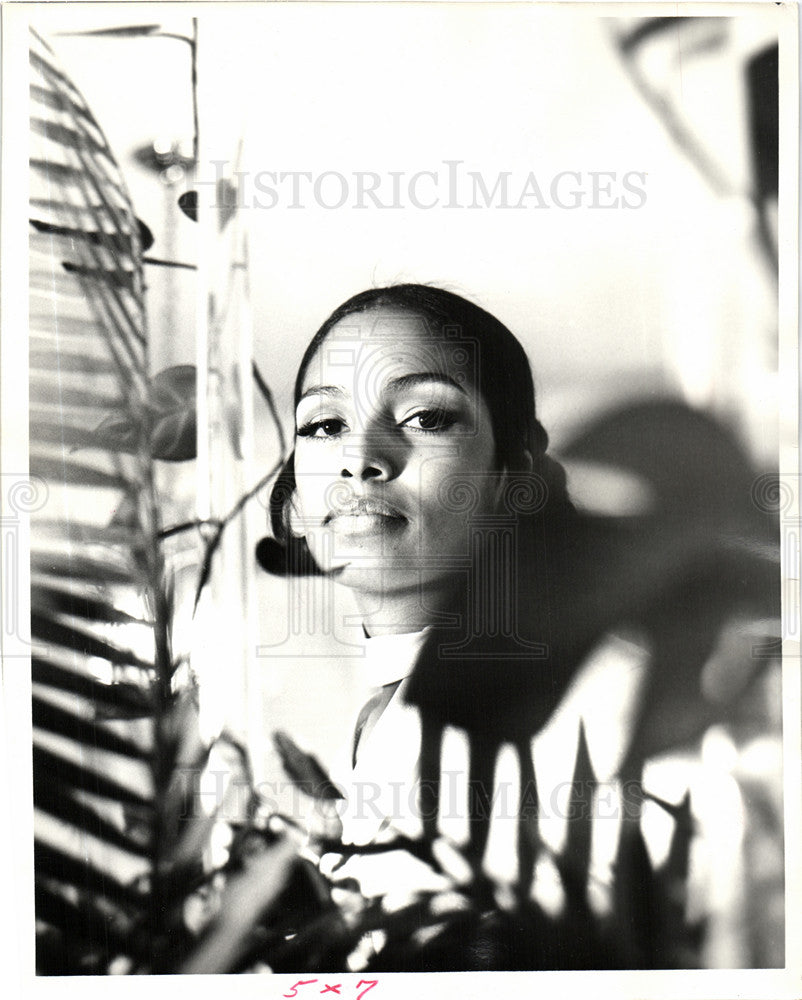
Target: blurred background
641 262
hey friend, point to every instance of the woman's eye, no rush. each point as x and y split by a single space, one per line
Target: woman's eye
429 420
330 427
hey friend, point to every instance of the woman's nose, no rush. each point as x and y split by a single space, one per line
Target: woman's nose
369 457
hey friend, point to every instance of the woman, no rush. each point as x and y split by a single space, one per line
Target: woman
405 396
420 480
505 718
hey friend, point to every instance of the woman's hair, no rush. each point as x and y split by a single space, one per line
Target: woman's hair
502 374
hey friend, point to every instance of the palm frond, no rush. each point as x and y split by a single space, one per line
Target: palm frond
105 754
117 700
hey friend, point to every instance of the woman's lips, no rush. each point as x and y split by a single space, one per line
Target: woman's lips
364 515
365 524
364 507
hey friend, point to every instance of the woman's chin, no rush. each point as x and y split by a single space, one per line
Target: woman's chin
372 550
375 577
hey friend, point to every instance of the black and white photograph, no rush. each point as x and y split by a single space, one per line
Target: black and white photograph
400 498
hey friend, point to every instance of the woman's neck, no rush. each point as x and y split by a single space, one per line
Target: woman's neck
396 613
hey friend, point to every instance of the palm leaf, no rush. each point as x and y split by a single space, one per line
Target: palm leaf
66 136
79 923
64 806
87 606
62 867
117 434
88 358
42 392
118 700
675 867
129 31
52 767
636 903
57 720
84 363
574 860
480 788
88 644
81 567
529 842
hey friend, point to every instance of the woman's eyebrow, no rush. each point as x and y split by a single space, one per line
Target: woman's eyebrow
417 378
322 390
398 384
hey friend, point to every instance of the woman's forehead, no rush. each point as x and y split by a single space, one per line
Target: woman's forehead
383 345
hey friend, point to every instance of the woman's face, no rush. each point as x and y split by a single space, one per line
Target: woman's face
394 453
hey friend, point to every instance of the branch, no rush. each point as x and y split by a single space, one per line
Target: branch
267 395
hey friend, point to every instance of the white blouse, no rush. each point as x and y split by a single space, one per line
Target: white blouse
381 787
381 796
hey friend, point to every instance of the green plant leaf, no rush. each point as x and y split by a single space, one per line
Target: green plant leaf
684 631
169 418
118 432
74 438
172 400
146 237
304 770
188 203
246 898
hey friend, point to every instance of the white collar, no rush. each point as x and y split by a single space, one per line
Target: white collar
390 658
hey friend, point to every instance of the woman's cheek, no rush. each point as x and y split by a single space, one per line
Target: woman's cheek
309 496
441 519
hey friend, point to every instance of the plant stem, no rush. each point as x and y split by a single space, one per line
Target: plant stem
264 388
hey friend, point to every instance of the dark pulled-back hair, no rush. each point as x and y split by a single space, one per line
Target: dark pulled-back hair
502 375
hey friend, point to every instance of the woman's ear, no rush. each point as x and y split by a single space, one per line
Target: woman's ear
501 485
527 465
